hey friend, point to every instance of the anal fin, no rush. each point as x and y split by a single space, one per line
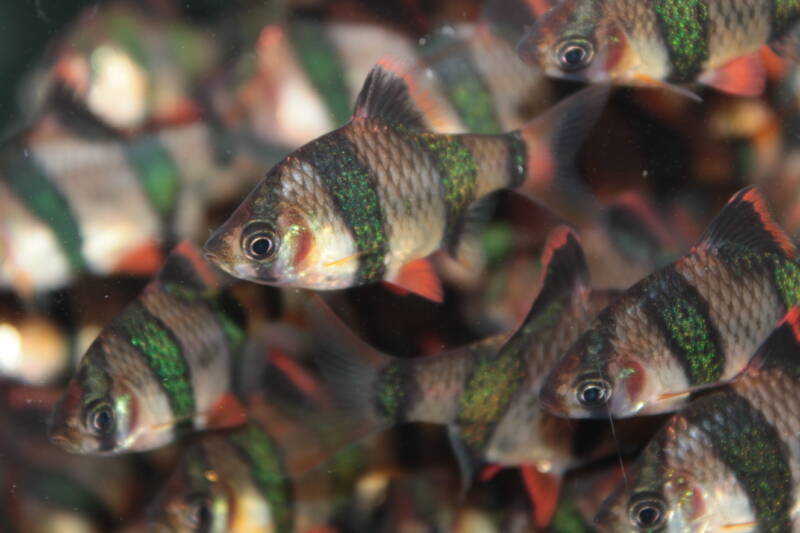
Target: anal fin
227 412
745 76
419 277
543 489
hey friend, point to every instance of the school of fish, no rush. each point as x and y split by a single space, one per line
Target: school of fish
334 266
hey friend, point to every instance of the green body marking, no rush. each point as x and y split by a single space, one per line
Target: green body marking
157 172
164 356
747 443
30 182
457 170
391 391
786 277
684 26
486 396
353 189
463 83
262 455
682 314
323 66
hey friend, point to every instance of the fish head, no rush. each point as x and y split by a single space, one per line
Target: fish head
194 499
96 413
271 238
662 494
211 491
574 41
618 368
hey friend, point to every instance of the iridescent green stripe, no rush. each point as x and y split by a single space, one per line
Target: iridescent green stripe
487 393
263 457
164 356
323 66
748 444
681 313
157 172
786 279
458 172
463 82
684 28
352 186
29 180
393 391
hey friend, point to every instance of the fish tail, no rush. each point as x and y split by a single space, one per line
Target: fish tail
551 144
351 369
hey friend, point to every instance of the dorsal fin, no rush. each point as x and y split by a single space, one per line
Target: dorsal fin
387 96
746 221
564 265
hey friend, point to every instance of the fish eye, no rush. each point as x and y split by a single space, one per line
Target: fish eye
259 242
647 514
199 513
593 392
574 54
100 419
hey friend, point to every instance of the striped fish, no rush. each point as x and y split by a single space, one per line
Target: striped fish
691 325
484 392
73 204
661 42
160 369
371 200
730 461
248 480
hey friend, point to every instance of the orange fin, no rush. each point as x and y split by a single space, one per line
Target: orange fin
143 260
745 76
741 525
420 278
299 376
543 489
227 412
490 471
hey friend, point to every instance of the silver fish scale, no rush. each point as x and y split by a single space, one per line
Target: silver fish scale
743 308
408 188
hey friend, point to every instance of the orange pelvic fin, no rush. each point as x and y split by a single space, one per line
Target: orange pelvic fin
419 277
543 489
745 76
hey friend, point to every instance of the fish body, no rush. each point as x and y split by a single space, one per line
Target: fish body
486 392
71 204
661 42
729 461
247 479
160 369
368 201
691 325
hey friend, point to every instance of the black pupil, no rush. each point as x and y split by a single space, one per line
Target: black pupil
592 394
261 246
102 420
648 516
574 56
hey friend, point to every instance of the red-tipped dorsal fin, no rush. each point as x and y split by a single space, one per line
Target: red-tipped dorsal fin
420 278
299 376
227 412
745 76
792 319
195 256
389 95
543 489
540 7
746 221
563 262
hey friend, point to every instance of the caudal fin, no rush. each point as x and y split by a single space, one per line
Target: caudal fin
552 142
350 367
